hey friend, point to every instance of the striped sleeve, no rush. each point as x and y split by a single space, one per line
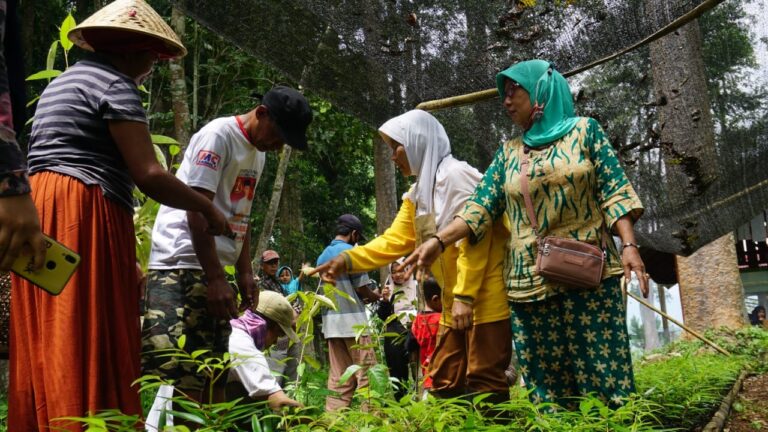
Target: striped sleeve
121 101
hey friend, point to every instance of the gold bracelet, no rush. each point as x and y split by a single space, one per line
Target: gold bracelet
628 244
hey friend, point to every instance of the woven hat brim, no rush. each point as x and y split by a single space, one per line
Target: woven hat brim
134 16
174 49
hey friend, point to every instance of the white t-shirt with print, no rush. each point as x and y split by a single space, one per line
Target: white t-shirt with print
219 159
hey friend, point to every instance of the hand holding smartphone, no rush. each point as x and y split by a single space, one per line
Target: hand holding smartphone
60 263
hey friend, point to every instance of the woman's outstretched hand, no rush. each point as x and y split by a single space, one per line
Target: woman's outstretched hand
421 259
332 269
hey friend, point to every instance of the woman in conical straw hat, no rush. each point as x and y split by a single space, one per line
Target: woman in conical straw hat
78 352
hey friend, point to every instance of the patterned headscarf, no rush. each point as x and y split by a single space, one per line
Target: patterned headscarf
550 96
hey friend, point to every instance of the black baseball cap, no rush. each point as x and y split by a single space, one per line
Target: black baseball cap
292 114
352 222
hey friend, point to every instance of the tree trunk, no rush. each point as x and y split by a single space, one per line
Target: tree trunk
391 88
662 292
27 18
710 286
195 77
291 225
181 123
386 194
711 292
650 330
684 114
274 203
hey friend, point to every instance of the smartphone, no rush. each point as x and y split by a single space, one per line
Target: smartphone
60 264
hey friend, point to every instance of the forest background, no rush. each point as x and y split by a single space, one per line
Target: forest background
347 168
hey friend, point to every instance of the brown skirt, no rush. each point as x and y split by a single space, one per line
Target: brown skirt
77 352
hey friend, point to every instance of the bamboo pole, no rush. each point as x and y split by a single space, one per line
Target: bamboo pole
470 98
457 101
678 323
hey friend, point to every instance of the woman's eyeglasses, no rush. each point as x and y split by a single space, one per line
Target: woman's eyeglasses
511 88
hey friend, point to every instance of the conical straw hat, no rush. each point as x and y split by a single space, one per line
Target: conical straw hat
134 16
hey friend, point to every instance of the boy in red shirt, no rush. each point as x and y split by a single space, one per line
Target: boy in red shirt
422 337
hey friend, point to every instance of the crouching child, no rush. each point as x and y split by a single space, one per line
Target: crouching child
252 333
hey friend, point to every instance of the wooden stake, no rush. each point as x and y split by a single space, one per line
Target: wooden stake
681 325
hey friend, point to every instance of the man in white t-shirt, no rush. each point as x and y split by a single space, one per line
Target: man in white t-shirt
187 290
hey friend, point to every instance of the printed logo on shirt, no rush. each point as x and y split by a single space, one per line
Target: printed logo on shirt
241 198
208 159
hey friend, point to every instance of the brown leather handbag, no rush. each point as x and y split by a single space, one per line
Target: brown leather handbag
574 263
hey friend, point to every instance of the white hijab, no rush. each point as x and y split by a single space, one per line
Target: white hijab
443 183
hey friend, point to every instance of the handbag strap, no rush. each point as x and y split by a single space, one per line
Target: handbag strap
524 162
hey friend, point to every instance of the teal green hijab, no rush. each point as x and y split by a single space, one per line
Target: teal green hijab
545 86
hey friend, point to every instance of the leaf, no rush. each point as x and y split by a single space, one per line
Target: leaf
197 353
182 340
173 149
52 55
351 370
256 424
332 290
188 416
46 74
311 361
68 24
326 301
160 155
378 375
162 139
32 101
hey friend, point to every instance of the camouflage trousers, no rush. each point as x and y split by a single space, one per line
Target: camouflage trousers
176 304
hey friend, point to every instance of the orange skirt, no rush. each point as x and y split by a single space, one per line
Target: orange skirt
77 352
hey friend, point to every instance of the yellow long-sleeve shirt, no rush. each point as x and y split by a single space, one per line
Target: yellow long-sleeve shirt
471 272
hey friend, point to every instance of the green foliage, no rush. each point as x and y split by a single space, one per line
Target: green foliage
691 379
3 415
688 387
730 63
68 24
678 390
335 176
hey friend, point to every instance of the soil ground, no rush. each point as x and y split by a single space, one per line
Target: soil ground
750 410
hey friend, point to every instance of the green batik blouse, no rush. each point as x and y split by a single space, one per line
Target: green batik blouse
575 184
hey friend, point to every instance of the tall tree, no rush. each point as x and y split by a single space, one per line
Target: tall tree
383 168
688 142
648 317
274 203
290 221
386 195
179 98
